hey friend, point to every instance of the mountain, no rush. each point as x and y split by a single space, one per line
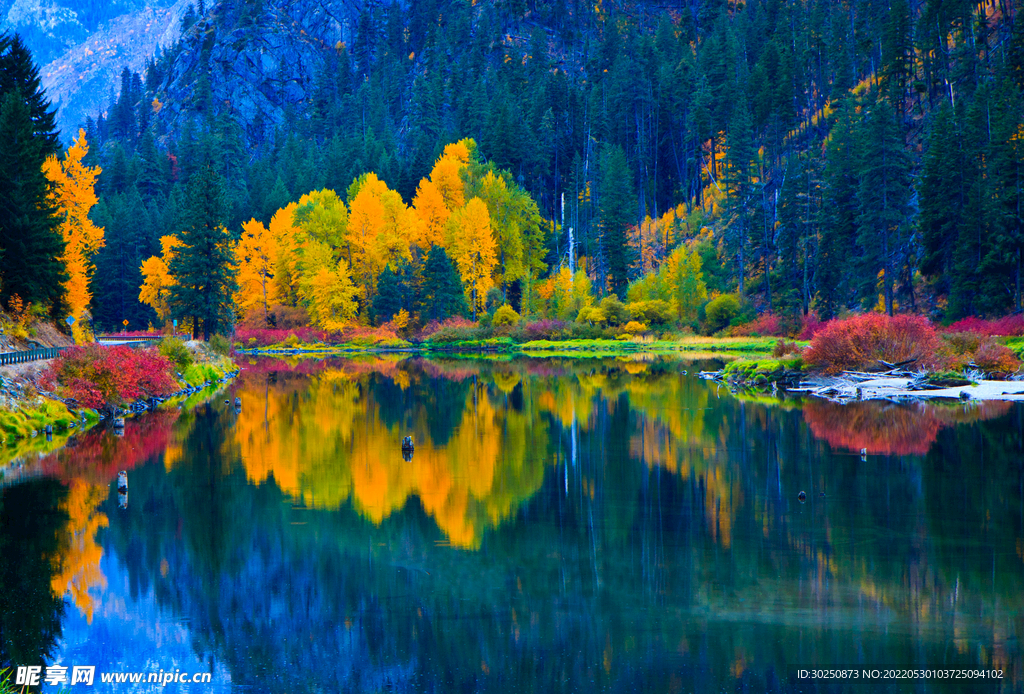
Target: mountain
254 61
83 45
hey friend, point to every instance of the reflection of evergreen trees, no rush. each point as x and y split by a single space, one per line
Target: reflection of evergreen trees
31 519
666 545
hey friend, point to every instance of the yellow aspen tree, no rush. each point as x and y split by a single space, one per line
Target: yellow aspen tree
382 228
73 193
686 279
157 280
401 228
433 214
256 254
282 230
366 222
447 176
506 225
326 288
461 151
472 246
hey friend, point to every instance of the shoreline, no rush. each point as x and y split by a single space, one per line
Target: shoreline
19 455
728 346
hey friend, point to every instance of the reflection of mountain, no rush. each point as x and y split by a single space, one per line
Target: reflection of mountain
892 429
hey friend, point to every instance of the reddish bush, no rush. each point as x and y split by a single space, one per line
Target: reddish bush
452 322
860 342
1007 325
993 357
101 377
265 337
365 335
134 333
546 329
765 325
809 326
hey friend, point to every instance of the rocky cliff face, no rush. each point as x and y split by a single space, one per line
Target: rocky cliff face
81 46
81 80
254 61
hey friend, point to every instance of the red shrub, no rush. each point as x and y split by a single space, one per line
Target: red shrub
994 357
1007 325
860 342
365 335
133 333
265 337
546 329
452 322
810 325
99 377
766 325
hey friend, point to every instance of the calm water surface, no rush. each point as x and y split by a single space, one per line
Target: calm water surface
563 525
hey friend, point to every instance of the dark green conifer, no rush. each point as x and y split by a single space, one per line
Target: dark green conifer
202 266
30 243
616 212
442 289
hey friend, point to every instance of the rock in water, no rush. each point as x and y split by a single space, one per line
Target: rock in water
802 497
407 443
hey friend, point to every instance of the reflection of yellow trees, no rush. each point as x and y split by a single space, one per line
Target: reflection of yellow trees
326 442
78 564
667 430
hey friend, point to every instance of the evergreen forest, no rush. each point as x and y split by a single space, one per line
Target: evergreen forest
800 157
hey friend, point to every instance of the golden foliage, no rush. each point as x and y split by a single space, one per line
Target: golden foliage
256 255
433 213
157 280
78 564
471 245
73 193
382 228
328 445
447 176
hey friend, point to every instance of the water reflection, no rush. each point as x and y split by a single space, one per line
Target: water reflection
607 524
893 428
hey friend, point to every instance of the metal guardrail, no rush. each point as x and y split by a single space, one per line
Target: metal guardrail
51 352
29 355
114 337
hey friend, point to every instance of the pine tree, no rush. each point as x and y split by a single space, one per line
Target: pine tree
389 299
1006 154
838 221
738 183
442 289
19 73
30 265
883 218
616 212
941 198
30 243
203 266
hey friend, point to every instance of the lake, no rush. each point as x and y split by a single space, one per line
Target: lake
562 525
